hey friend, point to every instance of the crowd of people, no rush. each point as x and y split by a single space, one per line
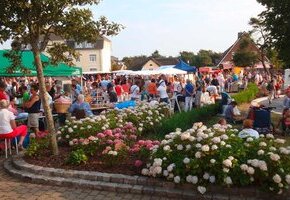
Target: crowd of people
20 96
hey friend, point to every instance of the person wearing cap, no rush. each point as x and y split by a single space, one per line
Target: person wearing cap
248 130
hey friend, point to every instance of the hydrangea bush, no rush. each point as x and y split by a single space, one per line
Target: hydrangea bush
112 136
202 156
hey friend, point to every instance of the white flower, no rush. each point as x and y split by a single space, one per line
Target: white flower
244 167
205 148
228 180
263 166
179 147
279 141
188 147
198 154
224 137
223 143
198 145
228 163
277 178
249 139
186 160
145 172
177 179
214 147
67 136
59 138
231 158
58 132
165 173
226 170
262 144
89 126
287 178
272 149
166 148
191 138
185 136
212 179
212 161
140 129
194 179
71 143
260 152
274 157
189 179
228 146
70 130
157 162
201 189
250 170
206 176
170 167
271 136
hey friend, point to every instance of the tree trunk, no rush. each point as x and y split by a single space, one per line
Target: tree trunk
263 62
44 100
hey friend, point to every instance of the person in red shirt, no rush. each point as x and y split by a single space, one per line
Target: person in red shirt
119 90
3 94
125 87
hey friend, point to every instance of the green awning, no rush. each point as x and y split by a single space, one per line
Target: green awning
27 60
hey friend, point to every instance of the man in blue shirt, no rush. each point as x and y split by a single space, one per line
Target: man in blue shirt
189 92
81 105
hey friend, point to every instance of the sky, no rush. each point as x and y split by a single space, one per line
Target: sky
172 26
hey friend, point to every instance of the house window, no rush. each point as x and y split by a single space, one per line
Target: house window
93 69
93 58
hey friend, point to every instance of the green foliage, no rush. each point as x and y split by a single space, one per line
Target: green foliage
202 58
247 95
276 20
185 120
244 56
77 157
37 146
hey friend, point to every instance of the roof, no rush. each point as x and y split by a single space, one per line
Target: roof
230 49
165 61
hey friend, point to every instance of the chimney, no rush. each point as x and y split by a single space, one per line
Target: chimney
240 34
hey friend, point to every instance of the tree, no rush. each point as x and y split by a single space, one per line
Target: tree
263 40
244 56
204 58
188 57
32 22
156 54
276 19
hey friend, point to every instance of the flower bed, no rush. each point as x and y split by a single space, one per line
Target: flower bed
203 156
113 138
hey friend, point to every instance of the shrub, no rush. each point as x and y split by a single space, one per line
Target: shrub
36 146
77 157
202 156
246 95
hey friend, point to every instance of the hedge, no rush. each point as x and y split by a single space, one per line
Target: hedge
184 120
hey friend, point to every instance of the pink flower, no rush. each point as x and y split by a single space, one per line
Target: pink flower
117 130
100 135
81 140
86 142
141 142
75 141
108 132
156 142
92 138
110 142
117 135
129 125
138 163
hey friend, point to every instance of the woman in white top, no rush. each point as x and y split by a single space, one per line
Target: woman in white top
248 130
162 91
8 127
135 91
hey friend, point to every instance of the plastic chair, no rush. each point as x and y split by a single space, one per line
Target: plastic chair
8 144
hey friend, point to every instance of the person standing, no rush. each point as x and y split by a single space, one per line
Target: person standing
162 89
189 92
33 108
135 91
152 89
3 94
270 88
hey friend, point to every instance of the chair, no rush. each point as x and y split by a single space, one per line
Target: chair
8 144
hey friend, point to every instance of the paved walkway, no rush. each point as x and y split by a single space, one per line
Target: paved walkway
13 189
277 103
